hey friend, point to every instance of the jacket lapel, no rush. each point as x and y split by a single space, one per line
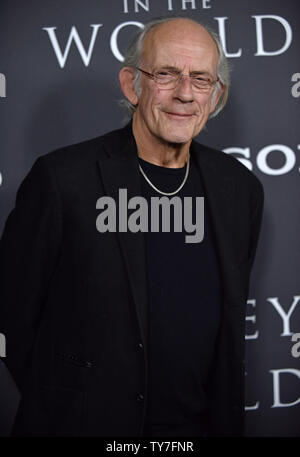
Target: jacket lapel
119 170
220 196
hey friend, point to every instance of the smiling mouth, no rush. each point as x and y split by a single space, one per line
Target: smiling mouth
179 115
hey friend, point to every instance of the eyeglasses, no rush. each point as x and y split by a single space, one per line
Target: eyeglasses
170 79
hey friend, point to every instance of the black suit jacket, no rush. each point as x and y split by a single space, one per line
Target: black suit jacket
74 301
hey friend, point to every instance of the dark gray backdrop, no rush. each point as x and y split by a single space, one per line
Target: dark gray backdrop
46 105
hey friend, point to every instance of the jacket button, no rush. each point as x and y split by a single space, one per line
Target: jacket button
140 397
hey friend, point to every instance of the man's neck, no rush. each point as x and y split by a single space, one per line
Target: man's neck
160 153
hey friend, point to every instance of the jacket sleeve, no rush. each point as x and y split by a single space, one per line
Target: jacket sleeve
29 250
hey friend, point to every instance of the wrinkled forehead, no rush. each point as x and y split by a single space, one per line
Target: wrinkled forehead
180 44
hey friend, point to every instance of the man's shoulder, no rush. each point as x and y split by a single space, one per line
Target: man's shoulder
85 151
227 165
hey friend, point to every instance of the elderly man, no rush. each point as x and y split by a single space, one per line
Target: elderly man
135 332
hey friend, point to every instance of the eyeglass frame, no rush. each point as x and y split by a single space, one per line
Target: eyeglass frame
153 76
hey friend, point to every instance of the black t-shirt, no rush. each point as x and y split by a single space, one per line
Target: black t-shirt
184 312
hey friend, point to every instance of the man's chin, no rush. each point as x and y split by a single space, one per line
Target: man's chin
178 139
176 135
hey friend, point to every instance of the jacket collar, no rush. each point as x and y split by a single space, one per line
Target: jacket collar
220 197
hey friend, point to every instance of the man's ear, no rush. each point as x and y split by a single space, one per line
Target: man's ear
216 98
126 77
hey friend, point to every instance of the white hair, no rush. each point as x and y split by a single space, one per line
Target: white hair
133 58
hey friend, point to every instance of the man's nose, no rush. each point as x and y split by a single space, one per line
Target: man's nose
184 89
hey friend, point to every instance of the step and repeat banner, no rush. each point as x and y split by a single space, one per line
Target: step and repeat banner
59 62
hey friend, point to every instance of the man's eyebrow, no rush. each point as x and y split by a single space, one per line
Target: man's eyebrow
172 68
199 72
168 67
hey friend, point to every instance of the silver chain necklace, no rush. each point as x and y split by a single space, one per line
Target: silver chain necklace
181 185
